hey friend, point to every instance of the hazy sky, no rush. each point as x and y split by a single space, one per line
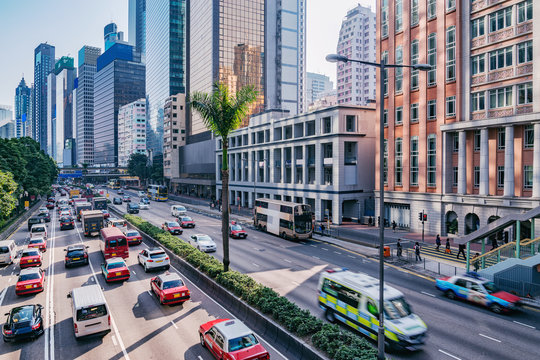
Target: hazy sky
70 24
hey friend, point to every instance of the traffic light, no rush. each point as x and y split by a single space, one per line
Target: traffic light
425 217
420 216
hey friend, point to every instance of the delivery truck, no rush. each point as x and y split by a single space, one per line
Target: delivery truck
92 222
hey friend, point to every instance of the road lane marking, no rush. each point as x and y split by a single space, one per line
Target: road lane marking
149 292
517 322
428 294
287 260
313 245
337 252
2 295
255 265
133 271
448 354
352 257
173 324
200 358
113 338
303 242
49 302
325 249
490 338
315 257
12 273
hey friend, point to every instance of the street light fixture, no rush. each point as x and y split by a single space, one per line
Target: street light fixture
334 58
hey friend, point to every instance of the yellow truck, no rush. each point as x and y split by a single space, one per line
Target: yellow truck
74 192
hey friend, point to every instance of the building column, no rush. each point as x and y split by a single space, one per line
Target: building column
484 162
462 163
536 161
509 162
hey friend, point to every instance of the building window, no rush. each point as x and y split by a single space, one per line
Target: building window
432 110
414 12
414 61
431 160
414 113
525 93
385 117
414 161
384 58
327 125
500 19
476 140
500 58
528 136
450 5
477 176
455 142
399 161
525 52
398 70
399 15
384 19
385 164
455 176
477 27
432 59
528 176
500 97
478 101
451 53
451 106
478 64
399 115
350 123
431 9
501 138
525 11
500 176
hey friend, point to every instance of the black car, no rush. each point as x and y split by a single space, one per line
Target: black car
117 201
23 322
33 221
132 208
76 255
45 216
67 223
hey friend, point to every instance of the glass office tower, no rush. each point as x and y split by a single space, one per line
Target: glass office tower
22 107
43 65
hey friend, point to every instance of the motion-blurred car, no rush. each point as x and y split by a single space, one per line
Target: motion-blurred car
203 242
133 237
172 227
236 231
76 255
38 243
154 258
23 322
30 257
30 281
169 289
186 222
115 269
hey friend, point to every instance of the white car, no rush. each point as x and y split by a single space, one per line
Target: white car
203 242
143 206
43 210
178 210
141 194
154 258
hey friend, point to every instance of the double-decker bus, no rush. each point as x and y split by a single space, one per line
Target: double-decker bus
114 184
158 192
286 219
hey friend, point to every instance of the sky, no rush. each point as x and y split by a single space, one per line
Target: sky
70 24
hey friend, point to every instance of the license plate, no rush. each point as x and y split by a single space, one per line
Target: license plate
76 259
176 295
28 286
118 273
30 260
159 261
113 254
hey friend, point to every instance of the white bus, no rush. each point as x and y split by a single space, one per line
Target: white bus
286 219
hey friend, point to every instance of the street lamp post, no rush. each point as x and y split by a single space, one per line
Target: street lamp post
382 66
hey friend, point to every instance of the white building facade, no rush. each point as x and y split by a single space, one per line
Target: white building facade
131 130
324 158
317 86
174 134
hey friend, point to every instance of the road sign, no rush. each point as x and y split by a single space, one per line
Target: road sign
27 204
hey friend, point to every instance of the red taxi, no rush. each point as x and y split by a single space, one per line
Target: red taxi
169 289
133 237
30 281
232 340
30 257
39 243
172 227
186 222
50 205
236 231
115 269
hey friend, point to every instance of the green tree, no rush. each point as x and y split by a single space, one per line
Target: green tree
156 170
222 113
137 166
8 200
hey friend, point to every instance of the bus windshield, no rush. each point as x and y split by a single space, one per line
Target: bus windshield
303 223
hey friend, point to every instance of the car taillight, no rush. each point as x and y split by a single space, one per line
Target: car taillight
75 327
167 258
85 255
109 320
7 332
66 259
149 260
35 327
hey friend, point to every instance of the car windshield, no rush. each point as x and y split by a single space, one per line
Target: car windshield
186 218
397 308
91 312
22 314
491 287
132 233
242 342
158 255
36 241
115 265
172 284
204 238
236 227
30 253
172 224
75 253
38 229
31 276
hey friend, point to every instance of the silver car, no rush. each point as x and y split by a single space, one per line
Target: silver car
203 242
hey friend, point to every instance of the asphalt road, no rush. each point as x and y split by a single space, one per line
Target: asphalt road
456 330
142 328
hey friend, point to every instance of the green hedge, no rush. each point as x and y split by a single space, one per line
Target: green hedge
337 343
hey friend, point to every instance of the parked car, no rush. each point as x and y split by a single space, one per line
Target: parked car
23 322
236 231
172 227
186 222
33 220
154 258
117 201
203 242
169 289
76 255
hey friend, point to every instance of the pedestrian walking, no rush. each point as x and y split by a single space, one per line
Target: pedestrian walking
448 250
394 225
438 242
399 248
417 251
461 251
475 262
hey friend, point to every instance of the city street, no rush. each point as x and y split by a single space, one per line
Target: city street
455 329
141 327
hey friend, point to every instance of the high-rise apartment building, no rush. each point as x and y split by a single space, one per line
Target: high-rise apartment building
30 117
119 80
462 141
131 130
43 64
165 62
87 65
357 40
22 108
137 26
7 125
317 85
174 136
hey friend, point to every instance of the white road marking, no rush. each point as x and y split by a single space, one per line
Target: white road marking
312 245
448 354
337 252
352 257
12 272
315 257
133 271
149 292
295 283
428 294
517 322
173 324
113 338
287 260
200 358
490 338
303 242
2 295
255 265
49 302
325 249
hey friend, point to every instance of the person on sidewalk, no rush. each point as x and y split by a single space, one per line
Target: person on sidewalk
417 251
394 225
475 262
438 242
448 250
461 251
399 248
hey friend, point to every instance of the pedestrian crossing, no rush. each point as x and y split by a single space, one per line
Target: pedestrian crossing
430 250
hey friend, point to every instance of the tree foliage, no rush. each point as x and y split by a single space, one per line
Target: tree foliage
8 200
156 170
137 165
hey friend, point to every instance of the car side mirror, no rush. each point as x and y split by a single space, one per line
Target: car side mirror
65 249
69 296
88 247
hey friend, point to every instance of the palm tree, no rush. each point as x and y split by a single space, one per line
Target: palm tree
223 112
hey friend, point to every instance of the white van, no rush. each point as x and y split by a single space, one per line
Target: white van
38 230
91 313
178 210
8 251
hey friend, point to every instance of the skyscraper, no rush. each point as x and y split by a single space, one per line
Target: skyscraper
137 26
7 126
119 80
43 65
131 130
317 85
111 35
22 108
85 103
165 62
357 39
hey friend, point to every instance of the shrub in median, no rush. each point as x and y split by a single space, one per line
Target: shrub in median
337 343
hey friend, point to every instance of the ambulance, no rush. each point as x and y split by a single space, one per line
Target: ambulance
353 299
